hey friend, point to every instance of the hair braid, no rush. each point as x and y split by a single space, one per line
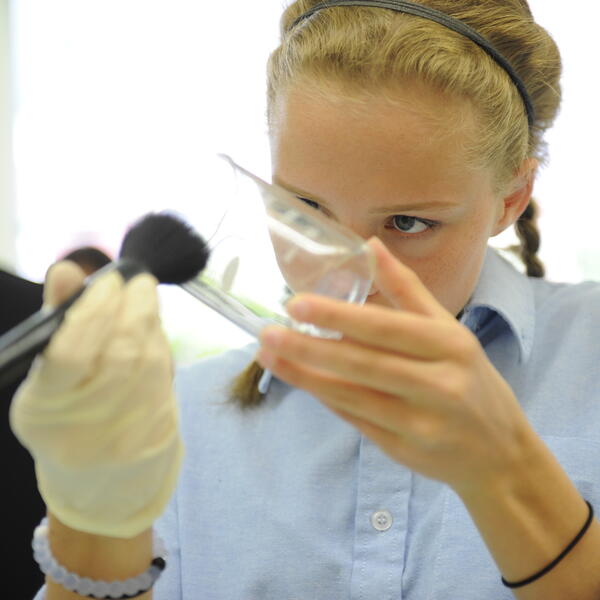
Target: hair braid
529 236
244 389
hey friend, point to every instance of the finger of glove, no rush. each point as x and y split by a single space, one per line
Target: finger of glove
62 280
102 419
133 368
137 406
75 347
133 330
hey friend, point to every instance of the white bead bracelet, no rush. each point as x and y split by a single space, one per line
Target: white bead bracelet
128 588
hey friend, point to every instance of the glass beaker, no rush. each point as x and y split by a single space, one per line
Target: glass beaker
270 246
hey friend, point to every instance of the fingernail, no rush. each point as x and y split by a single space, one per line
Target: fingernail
299 309
144 283
375 241
272 337
265 358
106 285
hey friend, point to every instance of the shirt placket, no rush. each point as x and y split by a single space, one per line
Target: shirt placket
381 525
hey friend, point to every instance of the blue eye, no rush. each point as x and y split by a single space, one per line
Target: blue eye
405 224
412 226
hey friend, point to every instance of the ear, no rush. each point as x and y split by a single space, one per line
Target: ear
516 196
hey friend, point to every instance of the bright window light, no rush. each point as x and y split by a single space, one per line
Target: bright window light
120 104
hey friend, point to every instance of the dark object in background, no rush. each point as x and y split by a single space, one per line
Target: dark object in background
89 258
22 505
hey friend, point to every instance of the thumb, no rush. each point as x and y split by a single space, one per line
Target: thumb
62 280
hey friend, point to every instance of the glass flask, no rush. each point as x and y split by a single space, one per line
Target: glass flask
269 246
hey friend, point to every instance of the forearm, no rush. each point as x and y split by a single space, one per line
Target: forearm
528 518
96 557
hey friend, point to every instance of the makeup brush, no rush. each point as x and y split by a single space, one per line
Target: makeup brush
159 243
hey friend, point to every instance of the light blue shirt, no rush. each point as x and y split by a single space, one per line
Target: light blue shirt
288 502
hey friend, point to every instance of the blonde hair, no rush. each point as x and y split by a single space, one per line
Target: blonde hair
367 50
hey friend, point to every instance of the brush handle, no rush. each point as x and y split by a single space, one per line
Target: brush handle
20 345
230 307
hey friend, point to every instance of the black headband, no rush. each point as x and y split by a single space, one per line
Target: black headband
443 19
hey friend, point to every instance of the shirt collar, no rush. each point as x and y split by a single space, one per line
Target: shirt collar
502 290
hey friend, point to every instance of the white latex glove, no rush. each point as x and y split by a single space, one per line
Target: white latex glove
97 410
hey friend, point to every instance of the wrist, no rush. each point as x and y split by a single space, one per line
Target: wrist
96 557
510 473
80 550
527 514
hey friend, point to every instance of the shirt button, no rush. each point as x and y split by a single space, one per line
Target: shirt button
382 520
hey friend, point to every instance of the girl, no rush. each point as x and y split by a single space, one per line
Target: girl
446 447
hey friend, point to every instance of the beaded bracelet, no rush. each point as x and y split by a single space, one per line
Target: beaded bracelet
128 588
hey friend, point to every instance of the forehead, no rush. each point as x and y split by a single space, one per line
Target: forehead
414 140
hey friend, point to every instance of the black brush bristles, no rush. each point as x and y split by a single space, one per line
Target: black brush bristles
165 246
159 243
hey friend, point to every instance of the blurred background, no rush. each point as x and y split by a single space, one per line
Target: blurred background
112 108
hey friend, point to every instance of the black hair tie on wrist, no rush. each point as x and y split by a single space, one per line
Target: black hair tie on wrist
515 584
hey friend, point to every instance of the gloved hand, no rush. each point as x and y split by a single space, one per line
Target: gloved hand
97 410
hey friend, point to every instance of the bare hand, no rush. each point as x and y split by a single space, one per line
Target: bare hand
411 378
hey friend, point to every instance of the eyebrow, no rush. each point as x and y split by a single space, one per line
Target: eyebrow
396 208
399 208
